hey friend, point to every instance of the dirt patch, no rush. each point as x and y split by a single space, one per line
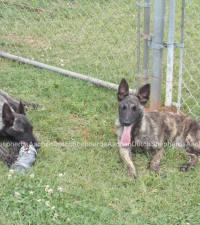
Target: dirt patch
84 131
29 40
164 109
80 125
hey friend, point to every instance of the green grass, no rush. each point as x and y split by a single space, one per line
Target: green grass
79 154
74 36
75 119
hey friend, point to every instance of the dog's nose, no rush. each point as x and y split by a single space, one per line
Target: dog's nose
127 123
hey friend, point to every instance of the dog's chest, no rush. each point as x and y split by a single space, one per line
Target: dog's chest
140 137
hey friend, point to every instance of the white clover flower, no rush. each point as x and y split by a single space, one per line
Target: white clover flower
60 174
16 194
53 207
31 192
47 203
47 188
11 171
50 191
32 175
9 176
60 189
55 216
39 200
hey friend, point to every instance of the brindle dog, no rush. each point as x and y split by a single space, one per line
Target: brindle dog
151 131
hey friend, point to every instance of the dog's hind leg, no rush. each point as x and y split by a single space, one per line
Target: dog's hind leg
192 142
193 146
193 158
156 159
126 156
14 103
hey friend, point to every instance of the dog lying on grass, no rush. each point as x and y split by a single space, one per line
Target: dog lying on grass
151 131
15 126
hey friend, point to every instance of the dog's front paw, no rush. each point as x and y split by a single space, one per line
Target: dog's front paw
28 104
131 172
134 176
155 167
35 106
10 159
185 167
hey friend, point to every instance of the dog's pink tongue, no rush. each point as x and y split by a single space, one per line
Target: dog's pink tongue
126 136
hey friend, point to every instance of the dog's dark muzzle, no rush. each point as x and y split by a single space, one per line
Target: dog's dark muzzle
127 123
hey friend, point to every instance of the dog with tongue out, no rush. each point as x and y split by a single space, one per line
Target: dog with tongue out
152 131
128 124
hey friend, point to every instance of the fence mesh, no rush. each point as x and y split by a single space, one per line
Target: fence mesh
190 98
95 38
190 80
98 39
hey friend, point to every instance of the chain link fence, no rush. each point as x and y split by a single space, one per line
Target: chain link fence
190 97
100 39
186 79
94 38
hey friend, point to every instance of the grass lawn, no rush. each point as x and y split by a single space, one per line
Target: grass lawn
78 177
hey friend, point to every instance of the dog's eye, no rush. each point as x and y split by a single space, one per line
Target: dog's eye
134 108
124 107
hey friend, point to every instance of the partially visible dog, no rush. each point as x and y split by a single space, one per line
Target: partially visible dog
151 131
15 126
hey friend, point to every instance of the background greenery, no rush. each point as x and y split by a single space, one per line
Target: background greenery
99 39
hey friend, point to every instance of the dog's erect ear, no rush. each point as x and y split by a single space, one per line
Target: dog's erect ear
123 90
21 109
143 94
7 115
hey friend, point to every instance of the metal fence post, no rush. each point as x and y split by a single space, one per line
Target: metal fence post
157 46
138 47
170 55
181 57
146 38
